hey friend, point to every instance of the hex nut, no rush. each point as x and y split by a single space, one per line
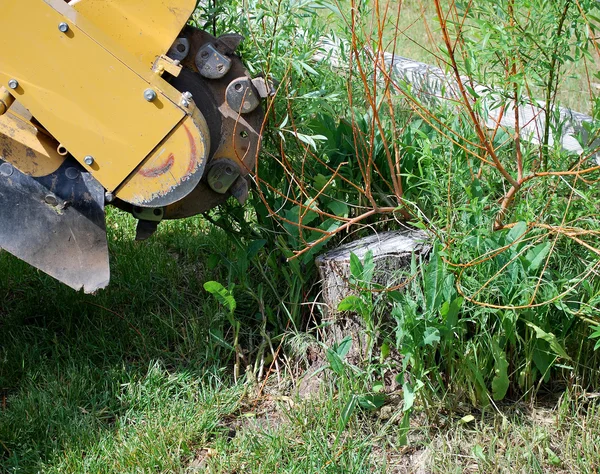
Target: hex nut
63 27
13 84
89 160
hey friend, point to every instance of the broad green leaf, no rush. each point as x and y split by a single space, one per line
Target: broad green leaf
356 267
516 232
550 339
223 295
339 208
536 255
409 396
378 386
255 247
500 383
368 267
449 312
553 457
433 281
479 453
335 362
409 392
384 352
466 419
371 401
351 303
431 336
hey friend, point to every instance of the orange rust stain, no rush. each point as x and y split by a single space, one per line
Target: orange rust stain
159 170
193 151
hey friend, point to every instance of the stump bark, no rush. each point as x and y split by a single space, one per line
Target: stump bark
392 253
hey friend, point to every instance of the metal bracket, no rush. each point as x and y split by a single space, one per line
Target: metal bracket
241 95
211 63
166 64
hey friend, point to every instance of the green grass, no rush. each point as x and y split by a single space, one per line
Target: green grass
140 377
131 381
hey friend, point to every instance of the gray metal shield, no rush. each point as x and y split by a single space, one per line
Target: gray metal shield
56 223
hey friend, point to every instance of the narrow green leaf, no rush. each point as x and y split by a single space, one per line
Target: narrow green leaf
348 411
550 339
344 346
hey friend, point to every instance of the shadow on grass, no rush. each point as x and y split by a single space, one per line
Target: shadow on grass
79 373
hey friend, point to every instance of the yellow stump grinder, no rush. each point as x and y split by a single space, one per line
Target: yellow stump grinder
115 102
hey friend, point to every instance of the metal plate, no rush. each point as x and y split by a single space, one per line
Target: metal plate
56 223
77 86
145 28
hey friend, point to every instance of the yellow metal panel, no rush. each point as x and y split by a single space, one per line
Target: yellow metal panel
84 96
146 28
27 149
173 169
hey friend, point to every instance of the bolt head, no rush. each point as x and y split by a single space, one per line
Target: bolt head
13 84
109 197
72 173
89 160
187 95
63 27
51 199
184 103
6 169
149 95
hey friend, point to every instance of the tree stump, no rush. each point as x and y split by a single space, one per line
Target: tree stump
392 253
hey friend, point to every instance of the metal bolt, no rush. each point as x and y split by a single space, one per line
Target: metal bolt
72 173
149 95
6 169
63 27
51 199
89 160
13 83
184 103
109 197
187 95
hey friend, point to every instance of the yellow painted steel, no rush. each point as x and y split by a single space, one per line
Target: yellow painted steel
85 89
6 100
179 158
147 29
25 147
